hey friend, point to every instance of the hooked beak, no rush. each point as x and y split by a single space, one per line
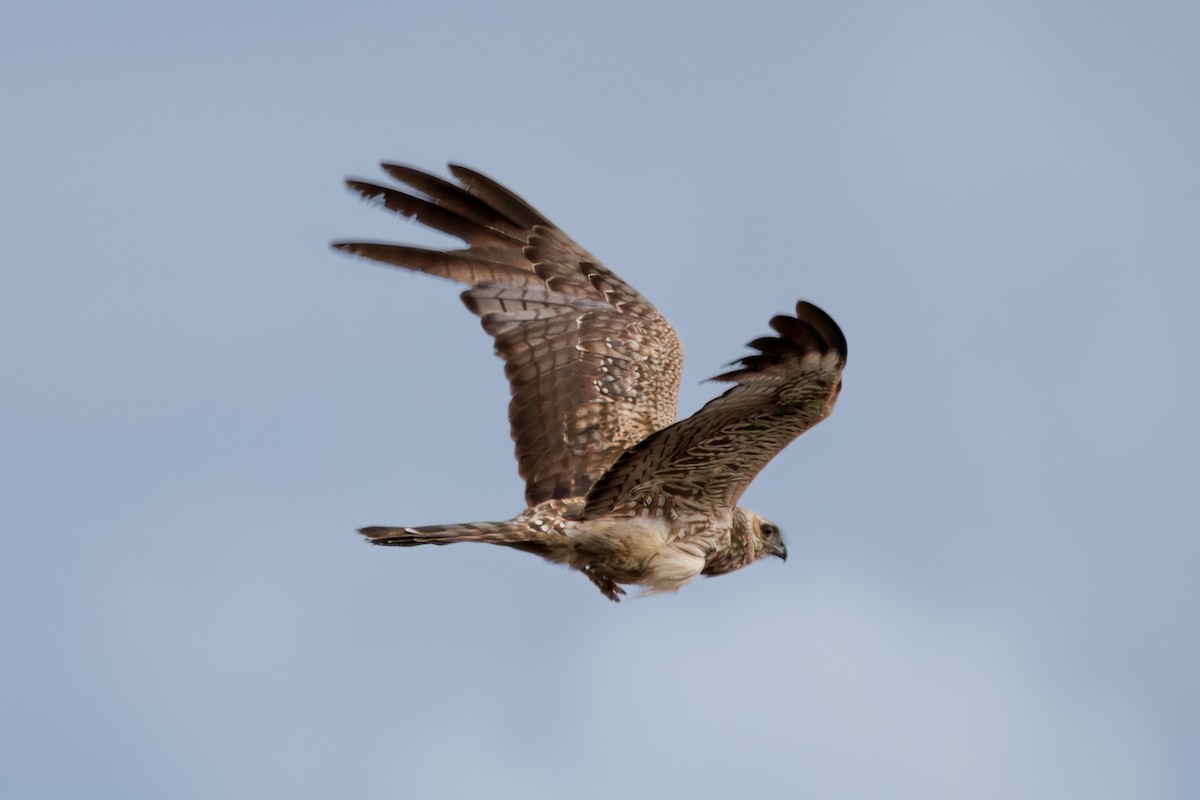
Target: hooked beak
779 550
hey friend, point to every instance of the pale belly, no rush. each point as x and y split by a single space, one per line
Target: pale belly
641 552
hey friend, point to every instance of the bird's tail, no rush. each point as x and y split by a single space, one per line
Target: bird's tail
509 534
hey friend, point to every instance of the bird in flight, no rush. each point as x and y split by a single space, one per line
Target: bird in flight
615 487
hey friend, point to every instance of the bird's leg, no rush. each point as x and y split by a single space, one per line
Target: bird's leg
607 586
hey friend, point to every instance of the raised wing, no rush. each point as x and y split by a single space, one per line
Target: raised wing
593 367
707 460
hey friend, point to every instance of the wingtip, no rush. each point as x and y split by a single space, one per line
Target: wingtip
389 166
824 324
352 183
357 249
811 328
407 173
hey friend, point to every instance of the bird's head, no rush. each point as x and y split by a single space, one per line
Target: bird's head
770 538
751 538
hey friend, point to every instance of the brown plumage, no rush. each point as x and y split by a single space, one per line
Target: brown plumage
614 486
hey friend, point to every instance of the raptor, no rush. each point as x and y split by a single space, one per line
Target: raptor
615 487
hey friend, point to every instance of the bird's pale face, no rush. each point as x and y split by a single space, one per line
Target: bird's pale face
770 537
752 538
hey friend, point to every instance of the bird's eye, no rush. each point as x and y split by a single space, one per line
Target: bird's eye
769 529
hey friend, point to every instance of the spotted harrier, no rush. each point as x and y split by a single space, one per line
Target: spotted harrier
615 487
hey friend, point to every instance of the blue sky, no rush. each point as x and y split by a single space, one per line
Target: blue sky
990 590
